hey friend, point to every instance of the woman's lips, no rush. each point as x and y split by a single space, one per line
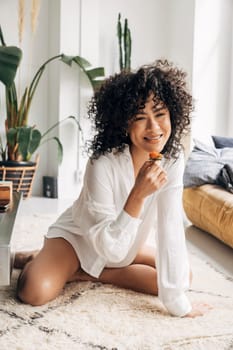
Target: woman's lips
153 139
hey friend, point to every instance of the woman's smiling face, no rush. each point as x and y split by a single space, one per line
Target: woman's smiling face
150 129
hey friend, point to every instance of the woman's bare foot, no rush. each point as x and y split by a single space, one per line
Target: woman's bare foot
22 258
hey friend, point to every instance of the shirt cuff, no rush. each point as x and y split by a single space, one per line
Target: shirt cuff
180 307
124 219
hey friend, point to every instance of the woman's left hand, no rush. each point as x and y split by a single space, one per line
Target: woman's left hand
199 309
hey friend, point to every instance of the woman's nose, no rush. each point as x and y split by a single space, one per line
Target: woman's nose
152 124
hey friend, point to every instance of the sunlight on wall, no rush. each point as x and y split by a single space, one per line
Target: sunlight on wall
212 61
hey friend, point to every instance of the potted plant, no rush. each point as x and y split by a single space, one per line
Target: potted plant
23 139
124 37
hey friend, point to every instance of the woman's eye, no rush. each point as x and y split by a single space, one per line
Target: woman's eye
139 117
161 114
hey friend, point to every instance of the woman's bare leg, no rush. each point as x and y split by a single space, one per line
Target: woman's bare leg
146 256
43 278
140 276
137 277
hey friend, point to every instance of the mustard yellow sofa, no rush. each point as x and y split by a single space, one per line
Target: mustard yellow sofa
210 208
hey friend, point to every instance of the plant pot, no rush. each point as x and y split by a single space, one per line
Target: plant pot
21 174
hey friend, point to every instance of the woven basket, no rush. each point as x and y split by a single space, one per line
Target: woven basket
21 176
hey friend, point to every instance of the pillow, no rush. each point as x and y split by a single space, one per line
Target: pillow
206 139
204 164
221 142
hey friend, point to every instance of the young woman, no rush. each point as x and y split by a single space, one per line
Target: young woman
125 197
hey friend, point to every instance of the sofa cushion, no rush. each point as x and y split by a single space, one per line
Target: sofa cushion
204 164
222 142
210 208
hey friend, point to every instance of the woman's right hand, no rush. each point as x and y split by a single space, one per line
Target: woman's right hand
150 178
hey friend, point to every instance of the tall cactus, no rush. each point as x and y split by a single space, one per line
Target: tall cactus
124 60
119 35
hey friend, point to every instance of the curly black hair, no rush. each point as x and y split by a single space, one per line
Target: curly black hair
123 95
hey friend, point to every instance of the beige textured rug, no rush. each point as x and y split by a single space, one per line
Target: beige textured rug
96 316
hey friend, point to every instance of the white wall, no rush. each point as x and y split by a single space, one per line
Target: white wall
146 25
179 18
69 97
212 68
156 28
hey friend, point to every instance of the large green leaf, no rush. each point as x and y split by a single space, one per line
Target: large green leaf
11 136
10 57
95 75
28 139
34 141
82 62
59 149
23 138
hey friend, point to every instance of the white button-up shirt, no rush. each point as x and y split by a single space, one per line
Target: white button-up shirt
104 235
